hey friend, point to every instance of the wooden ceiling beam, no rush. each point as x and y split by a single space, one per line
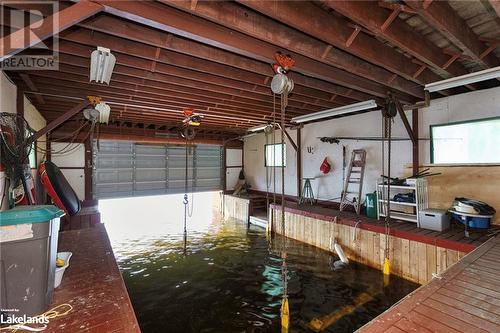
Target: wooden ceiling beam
495 4
50 26
52 112
336 31
441 16
126 29
147 93
161 89
134 54
370 15
131 63
158 106
305 50
174 21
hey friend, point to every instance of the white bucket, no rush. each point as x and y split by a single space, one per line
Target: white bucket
66 256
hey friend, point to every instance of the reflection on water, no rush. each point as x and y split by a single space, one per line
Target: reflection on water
230 280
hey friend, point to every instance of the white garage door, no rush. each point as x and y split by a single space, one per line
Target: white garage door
127 169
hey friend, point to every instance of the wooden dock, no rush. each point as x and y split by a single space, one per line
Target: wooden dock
93 286
465 298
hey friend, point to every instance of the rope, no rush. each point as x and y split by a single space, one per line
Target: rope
50 314
285 312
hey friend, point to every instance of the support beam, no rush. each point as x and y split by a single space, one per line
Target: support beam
18 41
294 145
88 169
20 101
406 123
370 15
61 119
299 160
441 16
416 148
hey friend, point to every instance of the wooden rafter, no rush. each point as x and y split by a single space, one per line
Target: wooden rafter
496 6
370 15
172 20
17 41
441 16
337 32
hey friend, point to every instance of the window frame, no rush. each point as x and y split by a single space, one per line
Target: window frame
458 123
265 155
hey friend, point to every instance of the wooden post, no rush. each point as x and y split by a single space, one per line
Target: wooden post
88 169
299 161
414 121
20 101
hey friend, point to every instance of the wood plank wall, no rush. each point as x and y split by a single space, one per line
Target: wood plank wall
236 208
475 182
411 260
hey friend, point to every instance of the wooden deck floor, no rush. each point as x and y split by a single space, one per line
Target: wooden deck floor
466 298
93 286
451 239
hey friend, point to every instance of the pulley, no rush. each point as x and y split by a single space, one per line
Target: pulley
281 84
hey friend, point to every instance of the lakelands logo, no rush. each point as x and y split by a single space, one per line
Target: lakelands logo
12 321
31 41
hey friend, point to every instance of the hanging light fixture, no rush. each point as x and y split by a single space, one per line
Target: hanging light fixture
487 74
102 63
342 110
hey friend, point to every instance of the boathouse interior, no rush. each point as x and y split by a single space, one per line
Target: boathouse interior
250 166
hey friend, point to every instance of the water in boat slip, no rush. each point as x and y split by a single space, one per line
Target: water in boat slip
229 280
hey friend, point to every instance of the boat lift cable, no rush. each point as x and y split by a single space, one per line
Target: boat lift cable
285 311
388 134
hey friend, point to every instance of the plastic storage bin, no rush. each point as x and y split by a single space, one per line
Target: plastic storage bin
28 249
434 219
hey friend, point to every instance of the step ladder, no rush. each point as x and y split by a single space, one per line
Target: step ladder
351 196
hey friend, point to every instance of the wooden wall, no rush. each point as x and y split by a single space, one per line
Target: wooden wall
475 182
412 260
236 208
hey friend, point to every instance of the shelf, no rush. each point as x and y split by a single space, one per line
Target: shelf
411 204
400 187
402 216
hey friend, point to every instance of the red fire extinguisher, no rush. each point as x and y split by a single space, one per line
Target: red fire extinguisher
325 166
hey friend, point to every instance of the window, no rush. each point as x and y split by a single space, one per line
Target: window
476 141
273 155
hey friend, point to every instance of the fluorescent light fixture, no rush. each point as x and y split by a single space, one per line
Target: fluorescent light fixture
102 63
104 111
258 128
487 74
346 109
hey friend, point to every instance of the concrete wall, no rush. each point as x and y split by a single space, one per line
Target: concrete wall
254 164
473 105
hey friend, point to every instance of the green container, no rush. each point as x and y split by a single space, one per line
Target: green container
371 205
